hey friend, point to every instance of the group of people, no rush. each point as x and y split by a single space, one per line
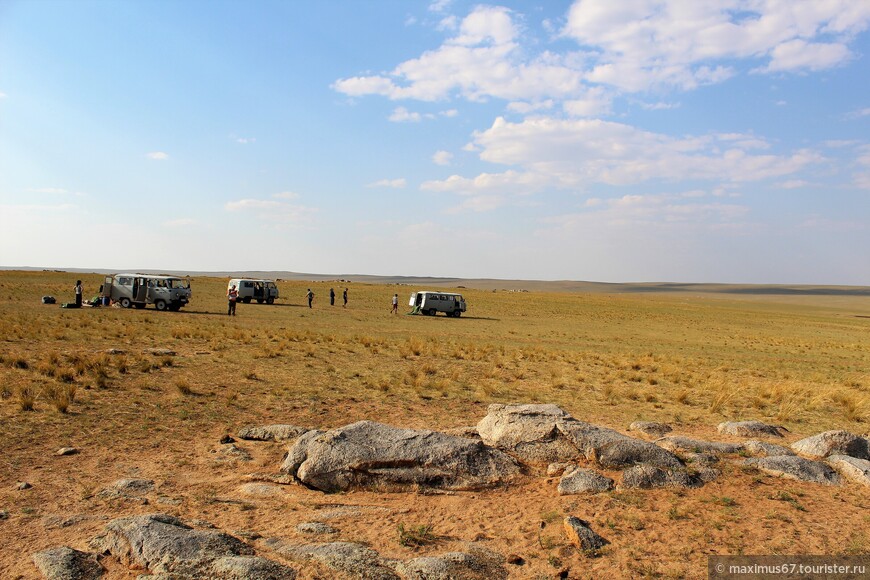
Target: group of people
310 296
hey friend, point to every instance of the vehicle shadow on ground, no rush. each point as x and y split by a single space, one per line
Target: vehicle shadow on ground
463 317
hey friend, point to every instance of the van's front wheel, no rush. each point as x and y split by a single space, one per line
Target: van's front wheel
160 305
125 302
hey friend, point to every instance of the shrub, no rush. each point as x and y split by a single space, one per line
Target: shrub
416 536
26 397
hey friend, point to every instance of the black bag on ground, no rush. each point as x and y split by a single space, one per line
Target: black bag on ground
48 300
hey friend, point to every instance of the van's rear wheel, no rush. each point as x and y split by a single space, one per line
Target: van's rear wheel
160 305
125 302
457 314
432 312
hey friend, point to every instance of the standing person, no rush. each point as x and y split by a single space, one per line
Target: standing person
344 296
79 291
331 297
395 309
310 296
232 298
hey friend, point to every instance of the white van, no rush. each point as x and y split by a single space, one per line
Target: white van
139 290
431 303
259 290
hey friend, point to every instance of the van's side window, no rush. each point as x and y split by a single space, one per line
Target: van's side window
125 281
248 284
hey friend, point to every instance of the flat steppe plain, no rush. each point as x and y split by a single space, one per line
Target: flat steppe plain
689 356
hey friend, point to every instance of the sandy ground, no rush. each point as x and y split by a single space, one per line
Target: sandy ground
653 533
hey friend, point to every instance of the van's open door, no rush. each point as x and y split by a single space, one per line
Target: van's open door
107 286
140 290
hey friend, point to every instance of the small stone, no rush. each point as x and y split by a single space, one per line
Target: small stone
23 485
64 562
581 535
115 351
558 469
67 451
161 351
315 528
4 515
227 439
650 428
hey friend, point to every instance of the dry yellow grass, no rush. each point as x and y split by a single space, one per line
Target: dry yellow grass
691 360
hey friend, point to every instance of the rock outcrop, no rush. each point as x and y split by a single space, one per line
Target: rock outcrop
650 476
793 467
65 563
833 443
680 444
764 449
369 454
475 563
271 432
581 536
750 429
579 480
163 544
349 558
650 428
851 468
543 434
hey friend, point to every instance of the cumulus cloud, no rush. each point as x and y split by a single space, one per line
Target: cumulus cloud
392 183
551 153
273 210
442 158
403 115
648 43
157 156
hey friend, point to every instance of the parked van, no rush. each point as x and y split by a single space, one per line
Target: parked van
431 303
139 290
259 290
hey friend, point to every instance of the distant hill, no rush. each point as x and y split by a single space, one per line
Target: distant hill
573 286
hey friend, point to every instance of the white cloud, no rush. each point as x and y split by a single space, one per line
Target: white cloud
273 211
3 95
180 222
392 183
648 43
793 184
403 115
449 113
550 153
859 113
245 140
439 5
158 156
442 158
659 106
594 103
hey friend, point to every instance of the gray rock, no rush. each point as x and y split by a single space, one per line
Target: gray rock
127 488
833 443
852 468
764 449
64 563
271 432
651 428
581 480
367 454
232 453
315 528
355 560
749 429
793 467
4 515
557 469
701 458
22 485
163 544
67 451
651 476
476 563
161 351
581 535
680 444
542 434
467 432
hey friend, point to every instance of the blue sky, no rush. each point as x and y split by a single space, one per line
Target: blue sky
642 140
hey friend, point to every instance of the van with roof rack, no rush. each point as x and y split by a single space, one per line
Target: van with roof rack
431 303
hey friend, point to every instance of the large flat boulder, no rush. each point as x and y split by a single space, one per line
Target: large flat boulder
544 434
65 563
367 454
650 476
279 432
351 559
580 480
679 444
474 563
765 449
833 443
794 467
852 468
749 429
163 544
